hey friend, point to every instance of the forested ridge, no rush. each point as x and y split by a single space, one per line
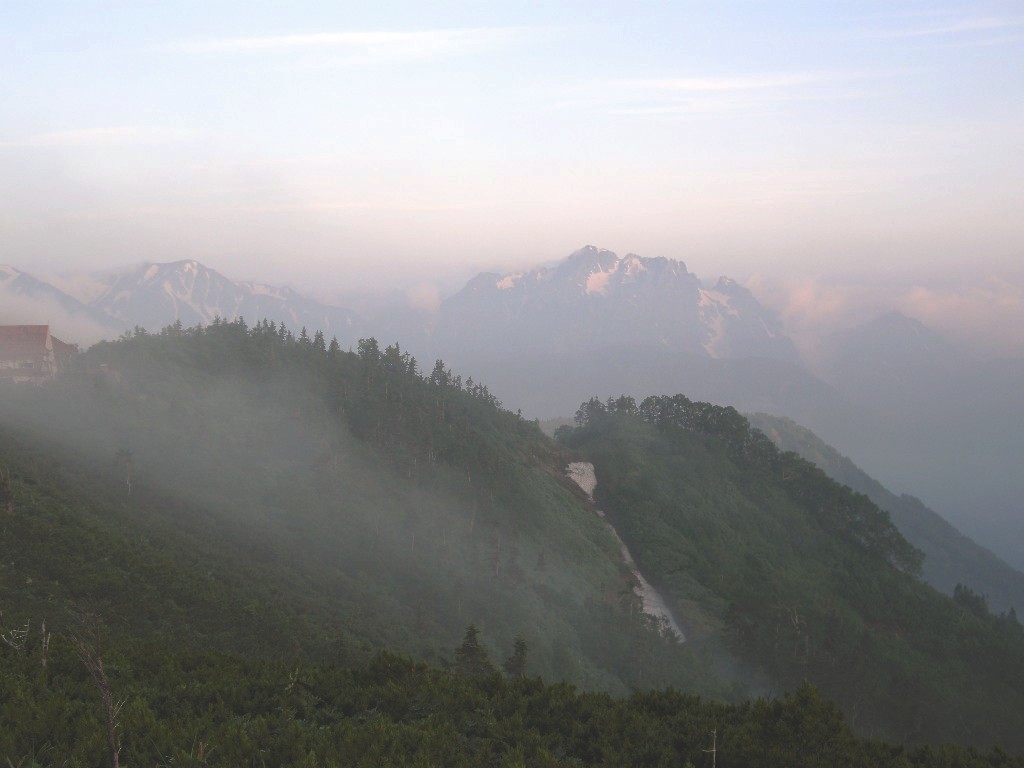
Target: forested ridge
803 578
951 558
242 519
247 491
365 503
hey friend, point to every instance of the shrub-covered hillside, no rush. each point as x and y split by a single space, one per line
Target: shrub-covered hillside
950 557
802 577
250 517
241 489
205 709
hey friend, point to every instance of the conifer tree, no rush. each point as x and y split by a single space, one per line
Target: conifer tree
515 665
471 659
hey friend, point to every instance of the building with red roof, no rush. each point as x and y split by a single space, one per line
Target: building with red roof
29 353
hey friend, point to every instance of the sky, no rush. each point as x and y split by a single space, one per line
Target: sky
341 146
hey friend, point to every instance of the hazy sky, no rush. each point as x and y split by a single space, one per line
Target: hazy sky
332 144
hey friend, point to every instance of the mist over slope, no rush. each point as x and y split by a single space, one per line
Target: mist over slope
241 490
341 498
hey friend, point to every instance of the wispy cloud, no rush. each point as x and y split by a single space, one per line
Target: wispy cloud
364 205
72 327
98 137
365 45
985 314
675 97
720 84
956 27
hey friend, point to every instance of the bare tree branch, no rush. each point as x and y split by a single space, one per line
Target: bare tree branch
89 645
14 638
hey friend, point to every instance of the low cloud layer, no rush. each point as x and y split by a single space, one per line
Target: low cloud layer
68 327
987 317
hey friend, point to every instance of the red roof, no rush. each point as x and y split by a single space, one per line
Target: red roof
63 351
23 342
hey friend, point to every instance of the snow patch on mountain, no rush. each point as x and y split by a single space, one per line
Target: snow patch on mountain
634 265
714 335
508 281
653 604
258 289
715 307
582 473
716 301
597 282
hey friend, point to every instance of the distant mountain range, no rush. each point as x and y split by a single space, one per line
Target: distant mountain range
152 296
598 323
591 300
632 323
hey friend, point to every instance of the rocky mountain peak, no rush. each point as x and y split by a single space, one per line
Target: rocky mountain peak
594 298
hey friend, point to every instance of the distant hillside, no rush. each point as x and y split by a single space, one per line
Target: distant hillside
936 422
950 557
551 385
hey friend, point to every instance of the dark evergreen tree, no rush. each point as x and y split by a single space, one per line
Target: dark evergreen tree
471 659
440 377
515 665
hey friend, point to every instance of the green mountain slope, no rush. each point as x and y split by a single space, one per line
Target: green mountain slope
950 557
239 489
804 578
235 503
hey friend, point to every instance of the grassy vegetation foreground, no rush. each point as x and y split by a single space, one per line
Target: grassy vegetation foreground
214 709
